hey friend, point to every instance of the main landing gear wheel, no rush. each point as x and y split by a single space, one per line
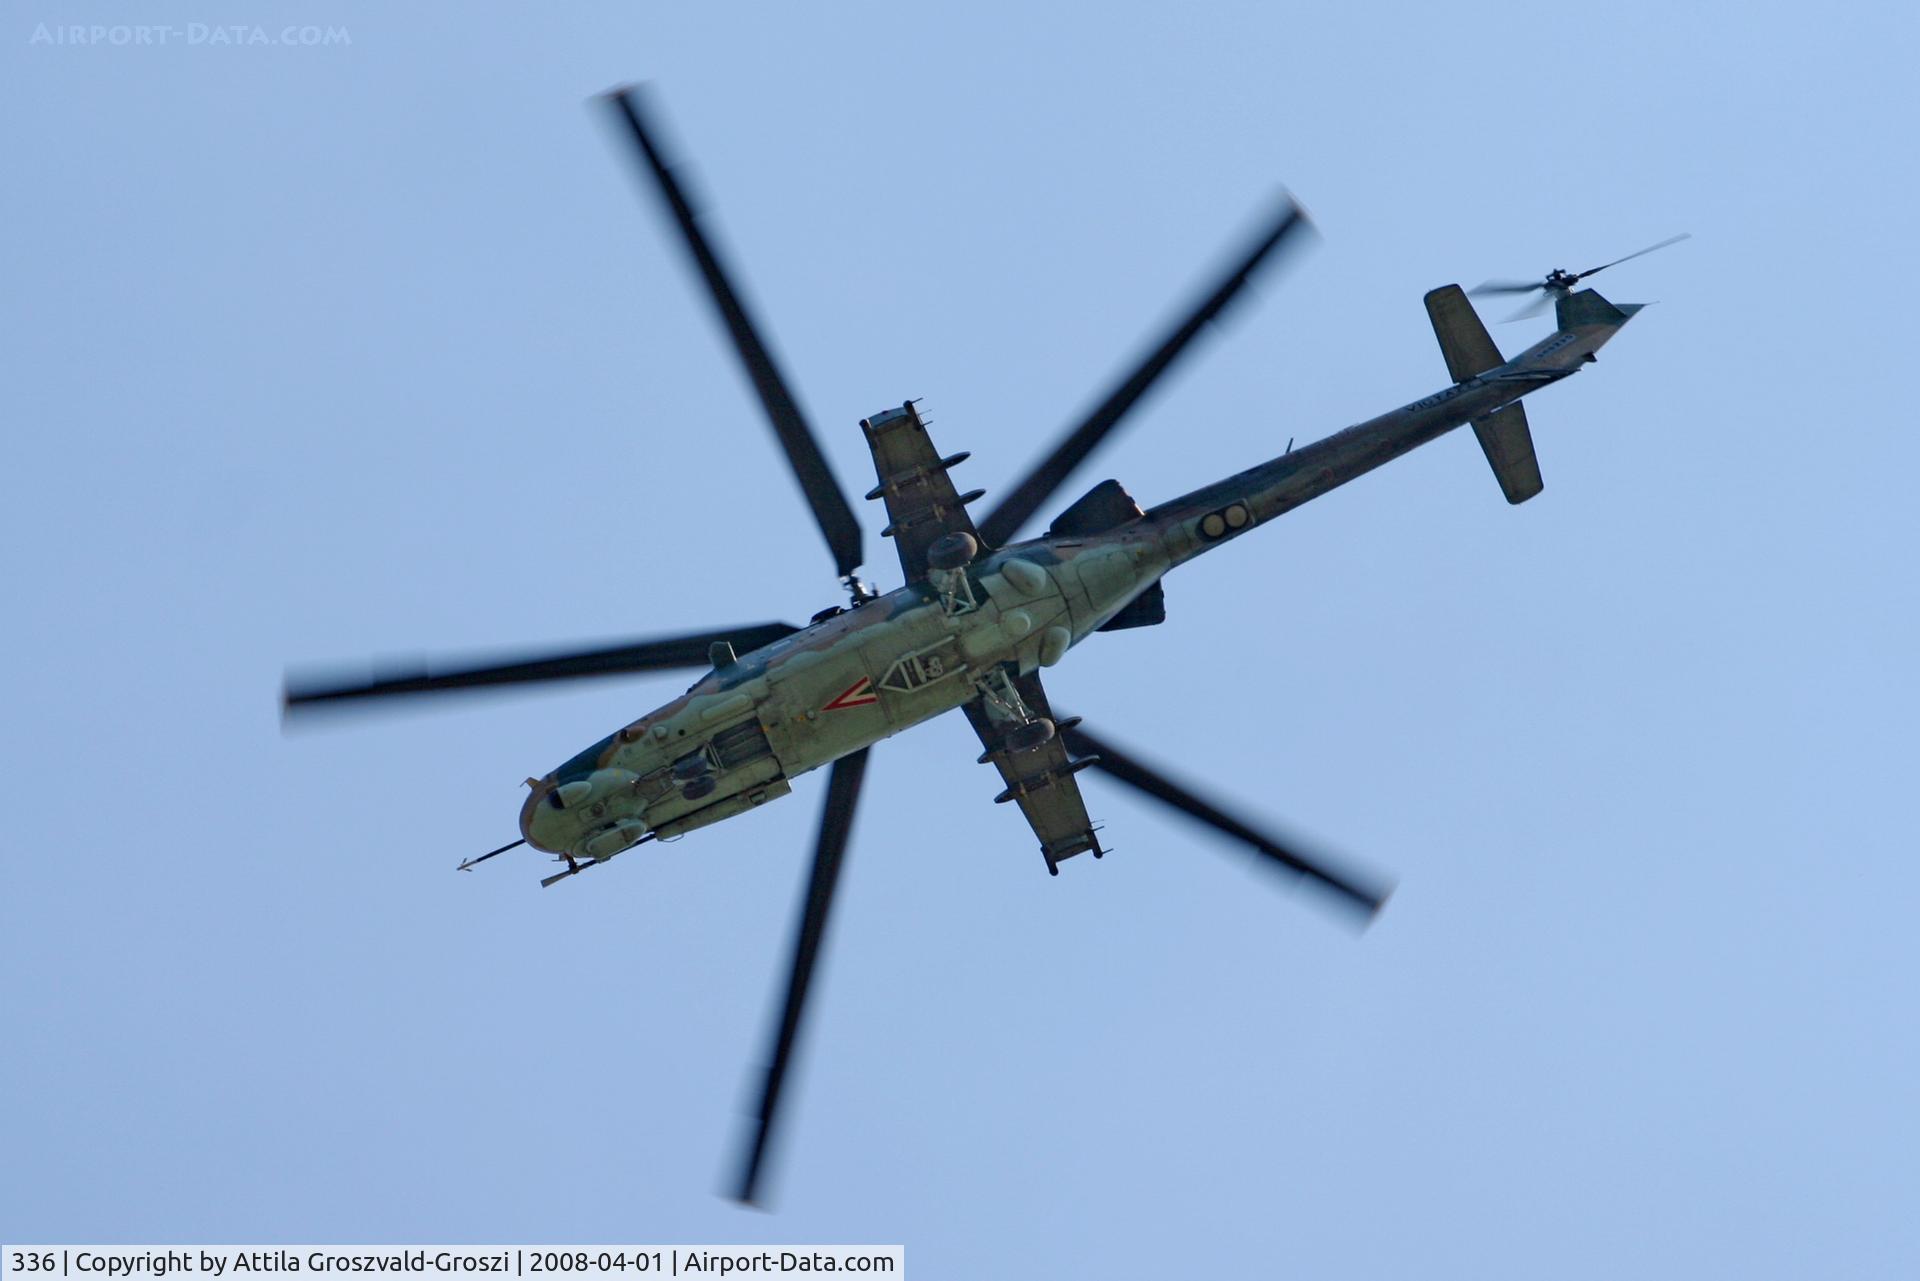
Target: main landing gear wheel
953 551
1024 738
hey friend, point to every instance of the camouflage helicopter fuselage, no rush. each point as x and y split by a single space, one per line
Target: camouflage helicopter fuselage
980 613
731 742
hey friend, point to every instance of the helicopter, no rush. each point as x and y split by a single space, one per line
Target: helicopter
982 611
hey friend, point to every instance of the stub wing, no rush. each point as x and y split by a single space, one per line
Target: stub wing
1040 779
922 504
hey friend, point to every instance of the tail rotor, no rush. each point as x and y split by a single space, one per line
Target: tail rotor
1560 282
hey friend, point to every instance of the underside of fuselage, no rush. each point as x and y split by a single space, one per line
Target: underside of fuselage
731 742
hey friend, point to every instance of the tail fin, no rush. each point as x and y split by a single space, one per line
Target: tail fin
1572 311
1470 352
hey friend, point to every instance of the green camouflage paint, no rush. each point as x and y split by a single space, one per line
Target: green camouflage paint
861 675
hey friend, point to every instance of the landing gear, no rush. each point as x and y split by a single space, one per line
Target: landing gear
1021 728
1024 738
952 551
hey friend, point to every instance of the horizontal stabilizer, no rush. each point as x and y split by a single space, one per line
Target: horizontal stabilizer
1470 352
1464 341
1509 448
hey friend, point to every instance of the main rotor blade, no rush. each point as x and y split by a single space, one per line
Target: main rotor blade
1039 484
660 654
836 821
1534 308
1670 240
829 501
1137 774
1506 287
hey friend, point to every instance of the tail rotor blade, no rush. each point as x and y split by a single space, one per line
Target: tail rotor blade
1505 287
1129 769
829 502
1039 484
659 654
836 822
1532 309
1640 253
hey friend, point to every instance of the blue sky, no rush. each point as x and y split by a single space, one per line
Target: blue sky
380 348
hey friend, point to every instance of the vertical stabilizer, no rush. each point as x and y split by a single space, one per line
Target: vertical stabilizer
1574 311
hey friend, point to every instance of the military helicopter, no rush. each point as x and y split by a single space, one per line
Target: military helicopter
981 613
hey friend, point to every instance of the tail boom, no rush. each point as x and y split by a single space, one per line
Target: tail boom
1196 522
